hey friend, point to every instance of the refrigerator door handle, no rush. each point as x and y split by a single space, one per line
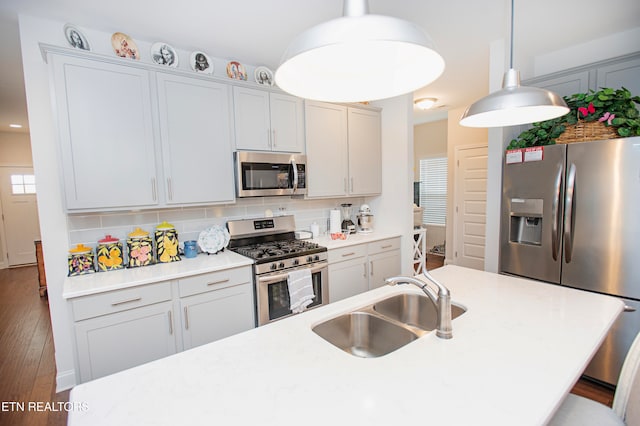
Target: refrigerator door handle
569 212
555 225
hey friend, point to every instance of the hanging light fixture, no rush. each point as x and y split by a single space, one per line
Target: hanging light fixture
514 104
359 57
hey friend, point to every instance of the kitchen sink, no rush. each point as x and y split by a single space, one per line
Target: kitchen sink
364 335
384 326
414 309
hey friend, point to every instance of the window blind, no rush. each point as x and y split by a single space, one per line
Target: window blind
433 190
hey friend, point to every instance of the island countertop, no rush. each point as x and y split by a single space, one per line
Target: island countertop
515 354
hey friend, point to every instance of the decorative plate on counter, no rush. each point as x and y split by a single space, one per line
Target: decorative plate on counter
213 239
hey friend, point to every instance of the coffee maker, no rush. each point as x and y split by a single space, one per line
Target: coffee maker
348 227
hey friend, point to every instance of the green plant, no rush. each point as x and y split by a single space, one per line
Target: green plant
616 108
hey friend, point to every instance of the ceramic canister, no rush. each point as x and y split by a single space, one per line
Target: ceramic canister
109 254
166 238
139 249
80 260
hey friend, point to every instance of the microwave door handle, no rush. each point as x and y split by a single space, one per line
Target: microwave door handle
555 225
569 212
295 175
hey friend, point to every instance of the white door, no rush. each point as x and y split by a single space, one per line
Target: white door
20 214
470 205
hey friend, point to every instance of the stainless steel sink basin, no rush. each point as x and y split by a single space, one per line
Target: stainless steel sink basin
413 309
364 334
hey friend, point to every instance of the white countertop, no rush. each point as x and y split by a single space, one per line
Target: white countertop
515 354
83 285
353 239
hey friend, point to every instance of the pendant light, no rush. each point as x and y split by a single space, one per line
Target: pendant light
359 57
514 104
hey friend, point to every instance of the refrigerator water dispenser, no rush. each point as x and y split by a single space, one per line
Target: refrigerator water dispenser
526 221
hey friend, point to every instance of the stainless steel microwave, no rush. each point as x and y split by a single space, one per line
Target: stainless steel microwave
265 174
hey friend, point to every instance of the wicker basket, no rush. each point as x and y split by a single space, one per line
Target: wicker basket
584 131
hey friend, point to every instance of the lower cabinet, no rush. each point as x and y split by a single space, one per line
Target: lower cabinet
223 308
121 329
362 267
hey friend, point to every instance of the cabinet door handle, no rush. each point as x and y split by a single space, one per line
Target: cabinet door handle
170 323
371 268
122 302
345 184
186 317
386 247
170 189
218 282
274 137
365 270
348 254
153 189
269 141
352 184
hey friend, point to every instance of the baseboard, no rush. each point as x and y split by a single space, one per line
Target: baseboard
65 380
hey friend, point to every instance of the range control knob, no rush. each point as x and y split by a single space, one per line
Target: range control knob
316 257
281 265
310 259
296 261
273 267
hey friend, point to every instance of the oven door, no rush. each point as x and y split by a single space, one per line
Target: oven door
272 292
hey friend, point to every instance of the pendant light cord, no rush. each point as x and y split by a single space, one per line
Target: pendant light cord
511 49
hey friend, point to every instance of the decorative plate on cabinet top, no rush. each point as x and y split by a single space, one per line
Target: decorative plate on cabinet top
213 239
164 54
200 62
264 76
236 71
76 38
124 46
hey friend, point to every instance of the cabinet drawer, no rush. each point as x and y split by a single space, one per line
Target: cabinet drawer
347 253
384 245
214 281
121 300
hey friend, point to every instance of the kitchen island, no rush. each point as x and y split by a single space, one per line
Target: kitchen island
515 354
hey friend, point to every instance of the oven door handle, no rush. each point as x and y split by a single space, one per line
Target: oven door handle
295 175
279 277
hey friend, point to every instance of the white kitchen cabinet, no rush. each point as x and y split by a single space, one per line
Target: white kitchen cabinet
122 329
218 305
195 130
267 121
105 132
362 267
343 150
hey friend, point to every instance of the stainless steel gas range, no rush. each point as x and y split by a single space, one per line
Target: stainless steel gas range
271 243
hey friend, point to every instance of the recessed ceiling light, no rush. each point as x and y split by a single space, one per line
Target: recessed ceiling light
425 103
16 126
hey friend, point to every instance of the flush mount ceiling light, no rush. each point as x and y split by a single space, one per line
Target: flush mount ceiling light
425 103
514 104
359 57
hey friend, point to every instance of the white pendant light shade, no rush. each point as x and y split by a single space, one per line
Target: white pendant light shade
514 105
359 57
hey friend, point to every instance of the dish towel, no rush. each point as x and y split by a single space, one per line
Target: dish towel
300 290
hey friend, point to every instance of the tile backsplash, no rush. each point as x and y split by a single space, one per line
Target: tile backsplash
189 221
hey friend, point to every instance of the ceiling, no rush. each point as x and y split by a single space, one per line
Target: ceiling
257 32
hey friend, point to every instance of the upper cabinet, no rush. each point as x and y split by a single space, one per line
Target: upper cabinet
132 136
195 130
343 150
267 121
106 134
614 73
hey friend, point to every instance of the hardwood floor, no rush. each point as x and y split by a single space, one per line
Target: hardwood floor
27 364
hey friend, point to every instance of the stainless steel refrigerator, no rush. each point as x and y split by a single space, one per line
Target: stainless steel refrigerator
571 216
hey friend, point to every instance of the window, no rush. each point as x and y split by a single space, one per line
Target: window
23 184
433 190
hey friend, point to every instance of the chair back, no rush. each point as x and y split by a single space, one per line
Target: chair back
626 402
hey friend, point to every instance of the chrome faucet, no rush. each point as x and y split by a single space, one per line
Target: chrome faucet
442 301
